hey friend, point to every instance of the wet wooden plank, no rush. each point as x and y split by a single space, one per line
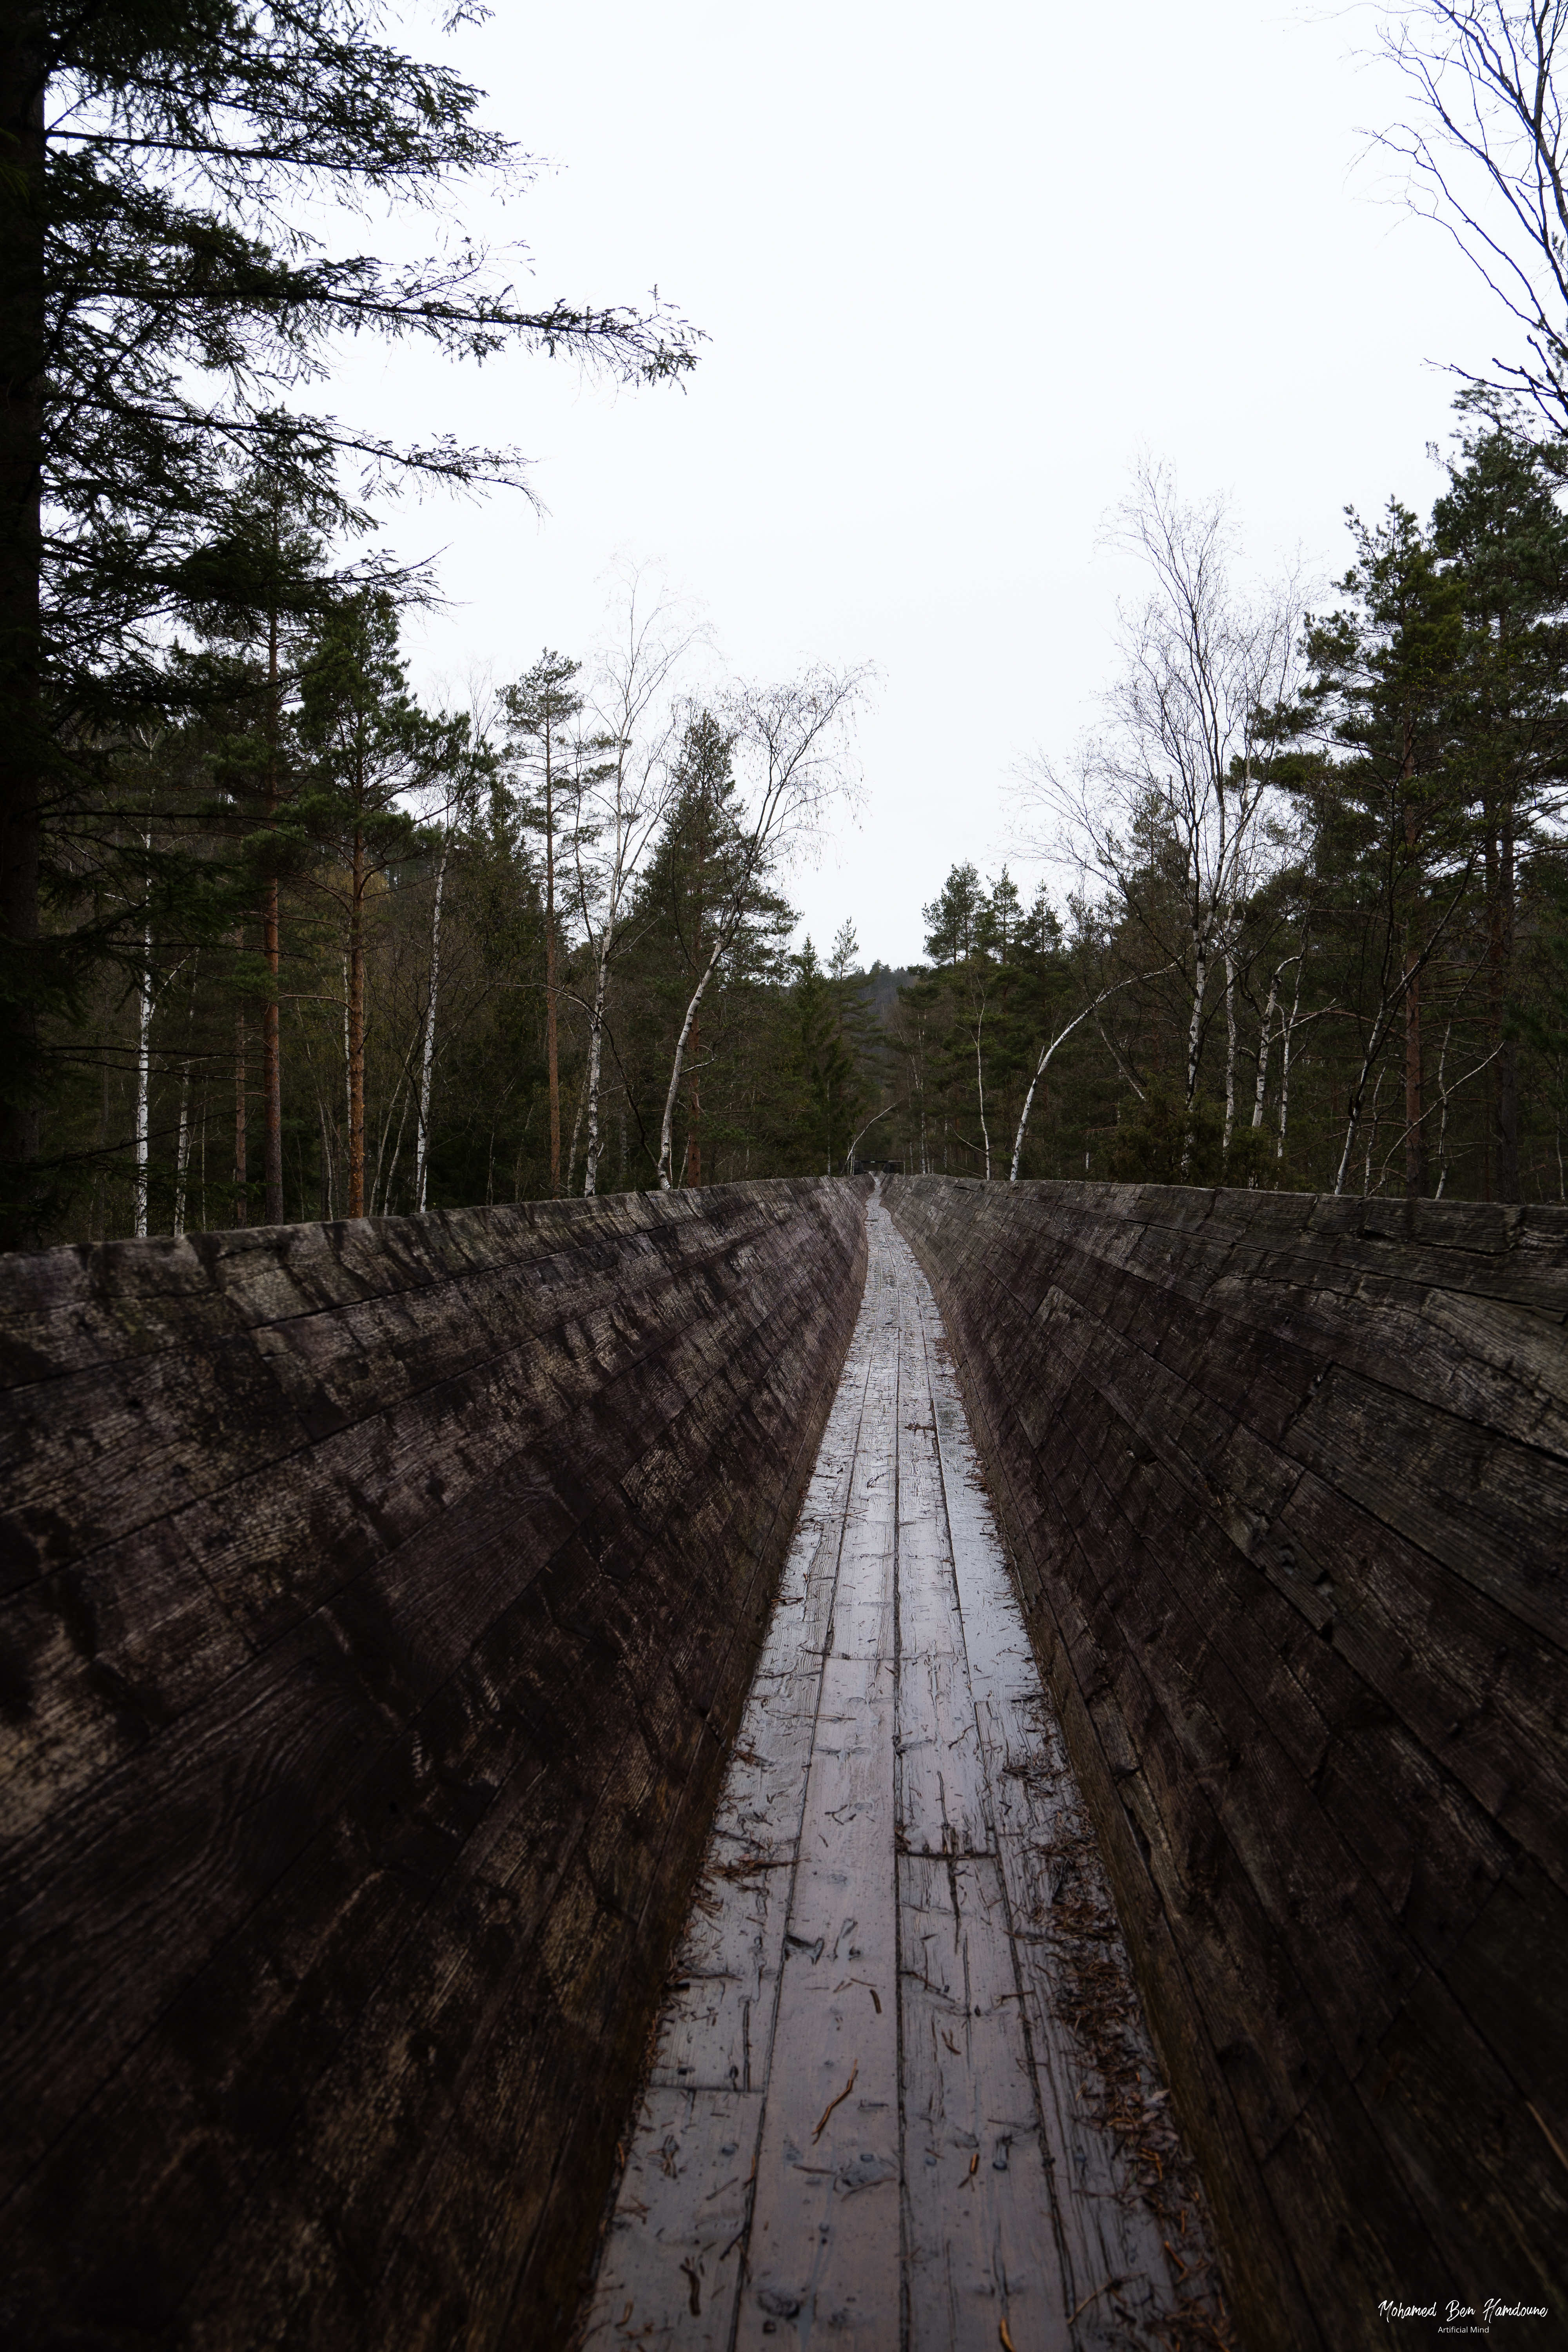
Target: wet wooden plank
981 2246
823 2251
944 1805
873 1956
672 2261
1111 2240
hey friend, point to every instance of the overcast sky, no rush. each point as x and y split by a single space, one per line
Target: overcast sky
957 269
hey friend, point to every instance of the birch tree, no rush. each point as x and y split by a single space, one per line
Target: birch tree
1484 153
1168 812
625 781
790 748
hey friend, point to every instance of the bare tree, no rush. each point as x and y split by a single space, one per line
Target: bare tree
790 744
1485 157
1170 809
625 779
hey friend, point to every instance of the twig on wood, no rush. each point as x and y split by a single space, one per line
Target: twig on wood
1099 2290
838 2102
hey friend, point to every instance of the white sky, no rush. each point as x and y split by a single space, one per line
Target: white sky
957 268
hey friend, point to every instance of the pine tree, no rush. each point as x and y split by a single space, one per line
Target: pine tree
160 305
1506 541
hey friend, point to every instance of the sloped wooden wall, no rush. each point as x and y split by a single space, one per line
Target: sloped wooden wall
1285 1481
379 1603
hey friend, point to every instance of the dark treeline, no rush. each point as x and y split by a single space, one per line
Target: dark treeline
1316 934
398 958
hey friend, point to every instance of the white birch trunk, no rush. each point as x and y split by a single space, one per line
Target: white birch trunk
1195 1038
1060 1039
595 1044
1040 1069
1265 1039
980 1088
667 1130
1196 1026
182 1148
1287 1032
576 1132
143 1079
1229 1042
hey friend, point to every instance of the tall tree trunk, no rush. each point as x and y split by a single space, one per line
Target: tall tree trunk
1230 1041
22 749
1195 1026
348 1066
1194 1037
694 1132
182 1147
144 1077
1508 1050
356 1029
595 1063
183 1138
1287 1032
1414 1128
427 1059
1265 1039
1489 1137
576 1132
271 1042
552 1038
980 1090
241 1153
667 1130
1415 1131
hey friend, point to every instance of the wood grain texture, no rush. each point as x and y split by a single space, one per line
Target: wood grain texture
377 1602
1285 1485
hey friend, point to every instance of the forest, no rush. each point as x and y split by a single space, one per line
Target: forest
1311 929
283 940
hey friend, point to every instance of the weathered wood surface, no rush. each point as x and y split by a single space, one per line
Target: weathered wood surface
379 1600
1284 1484
900 2095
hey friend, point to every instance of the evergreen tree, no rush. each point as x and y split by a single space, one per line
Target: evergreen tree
159 303
1505 539
833 1085
1387 809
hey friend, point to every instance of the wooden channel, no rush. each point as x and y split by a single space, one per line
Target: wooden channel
902 2095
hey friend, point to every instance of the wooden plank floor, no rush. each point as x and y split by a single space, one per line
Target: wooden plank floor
867 2122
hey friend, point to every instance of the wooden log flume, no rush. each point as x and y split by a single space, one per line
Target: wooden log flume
1284 1482
381 1601
903 2096
380 1605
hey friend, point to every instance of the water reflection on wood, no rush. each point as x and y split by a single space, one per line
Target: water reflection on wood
902 2095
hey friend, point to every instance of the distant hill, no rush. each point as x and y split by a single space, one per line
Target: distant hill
881 985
